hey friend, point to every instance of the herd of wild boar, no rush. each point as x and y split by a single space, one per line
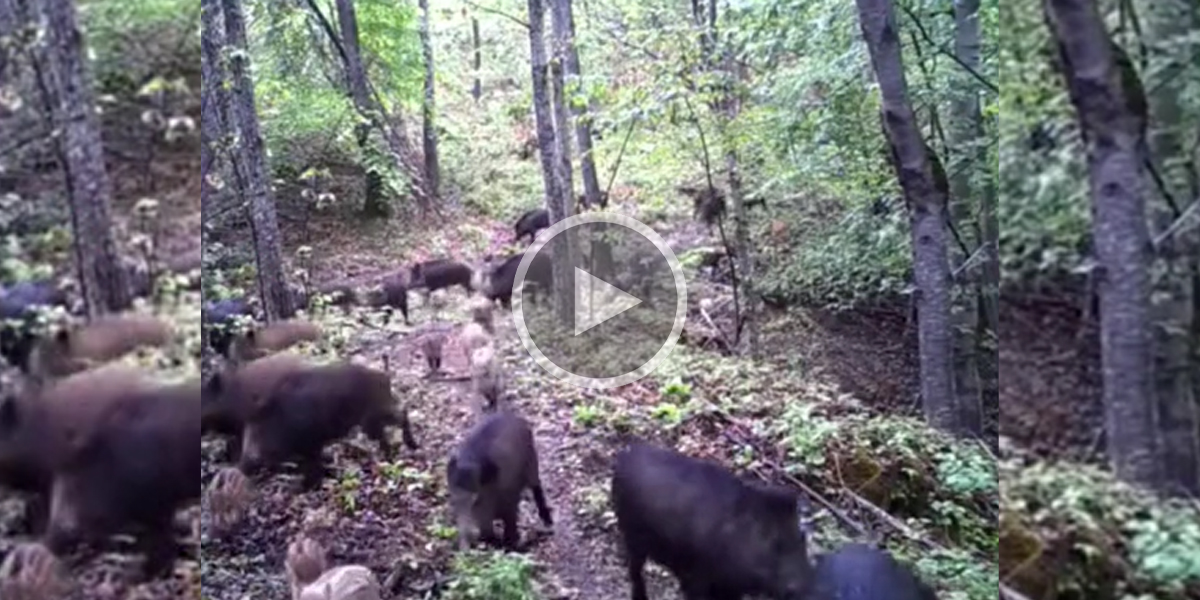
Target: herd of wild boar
98 449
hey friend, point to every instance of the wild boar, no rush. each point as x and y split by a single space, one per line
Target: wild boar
530 223
392 294
107 338
227 396
31 572
309 409
36 424
228 495
486 475
347 582
720 536
218 317
281 335
432 345
539 278
305 563
19 304
439 274
860 572
130 474
487 378
482 313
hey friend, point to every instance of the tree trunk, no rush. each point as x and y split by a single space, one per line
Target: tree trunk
562 116
1111 133
432 174
477 62
927 206
970 299
272 287
564 12
213 100
101 275
1179 425
374 202
549 149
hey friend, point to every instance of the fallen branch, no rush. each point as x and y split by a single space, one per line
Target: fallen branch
724 338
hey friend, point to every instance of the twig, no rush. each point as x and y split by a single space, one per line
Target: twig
1179 225
971 261
1011 594
721 332
496 12
943 51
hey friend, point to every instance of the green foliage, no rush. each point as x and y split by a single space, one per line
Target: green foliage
486 576
133 40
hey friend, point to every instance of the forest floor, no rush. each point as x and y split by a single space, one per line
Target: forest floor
392 516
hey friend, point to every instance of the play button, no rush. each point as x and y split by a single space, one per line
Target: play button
619 313
596 301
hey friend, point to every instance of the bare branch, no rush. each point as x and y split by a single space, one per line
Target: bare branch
1180 225
496 12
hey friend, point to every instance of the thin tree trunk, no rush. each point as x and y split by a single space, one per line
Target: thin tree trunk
88 190
558 85
276 301
477 62
549 151
1178 422
374 202
1122 240
971 298
565 14
430 138
927 206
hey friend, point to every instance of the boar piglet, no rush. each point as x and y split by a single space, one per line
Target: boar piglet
228 395
130 474
439 274
487 378
74 349
307 410
860 572
530 223
31 572
262 341
720 536
35 425
305 562
228 495
486 475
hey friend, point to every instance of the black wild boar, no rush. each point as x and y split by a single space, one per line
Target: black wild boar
860 572
130 474
531 223
219 318
258 342
720 536
107 338
309 409
35 425
437 274
31 572
392 294
227 396
486 475
540 276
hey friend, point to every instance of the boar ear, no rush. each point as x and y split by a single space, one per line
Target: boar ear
488 472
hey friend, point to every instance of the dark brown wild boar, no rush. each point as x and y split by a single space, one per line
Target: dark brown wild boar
35 426
486 475
310 409
228 394
108 338
130 473
391 294
261 341
720 536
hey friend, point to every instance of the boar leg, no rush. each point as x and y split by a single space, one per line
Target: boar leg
376 430
37 514
508 518
312 467
543 509
158 545
233 449
637 577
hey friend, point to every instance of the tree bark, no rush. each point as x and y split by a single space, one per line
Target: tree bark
429 131
1112 137
276 301
1176 370
565 13
549 150
562 116
972 298
927 206
101 277
374 202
